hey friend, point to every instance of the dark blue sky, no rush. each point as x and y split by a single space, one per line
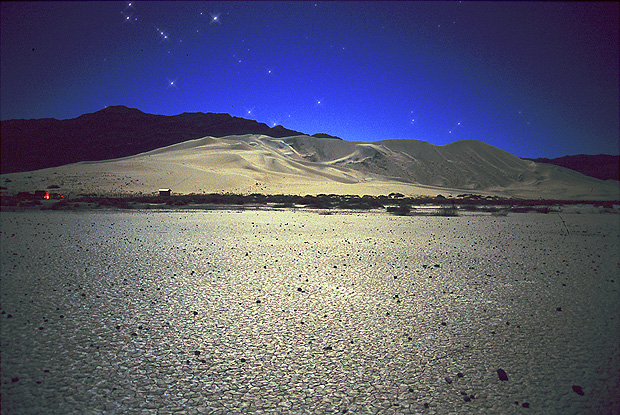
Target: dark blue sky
537 79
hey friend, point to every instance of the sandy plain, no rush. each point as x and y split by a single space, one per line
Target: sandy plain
299 312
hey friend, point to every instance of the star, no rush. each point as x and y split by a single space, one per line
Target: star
128 17
215 18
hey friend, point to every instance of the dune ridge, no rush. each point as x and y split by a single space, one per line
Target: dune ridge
301 164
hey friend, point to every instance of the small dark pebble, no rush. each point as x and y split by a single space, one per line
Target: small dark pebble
134 334
242 360
41 328
443 323
9 316
61 316
578 390
525 405
410 389
328 348
257 301
558 309
426 405
459 375
502 374
448 379
15 380
466 398
197 352
195 313
203 360
299 289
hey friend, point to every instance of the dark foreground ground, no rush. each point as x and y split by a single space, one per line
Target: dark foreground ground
253 311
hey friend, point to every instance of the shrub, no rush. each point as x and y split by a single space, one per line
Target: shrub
401 210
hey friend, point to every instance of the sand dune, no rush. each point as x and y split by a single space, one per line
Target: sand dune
309 165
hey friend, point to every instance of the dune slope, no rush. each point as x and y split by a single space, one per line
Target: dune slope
309 165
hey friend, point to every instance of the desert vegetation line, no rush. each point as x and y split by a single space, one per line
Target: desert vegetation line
394 203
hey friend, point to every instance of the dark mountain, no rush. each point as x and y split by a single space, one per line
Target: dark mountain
323 135
602 166
113 132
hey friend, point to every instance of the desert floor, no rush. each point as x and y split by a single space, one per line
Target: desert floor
300 312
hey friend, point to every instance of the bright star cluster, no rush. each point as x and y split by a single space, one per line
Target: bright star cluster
537 79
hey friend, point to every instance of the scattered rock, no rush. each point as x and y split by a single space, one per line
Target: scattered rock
328 348
502 374
578 390
459 375
15 380
525 404
558 309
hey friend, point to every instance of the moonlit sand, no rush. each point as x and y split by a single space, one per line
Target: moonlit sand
305 165
300 312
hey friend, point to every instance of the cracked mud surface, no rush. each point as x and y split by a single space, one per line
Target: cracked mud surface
296 312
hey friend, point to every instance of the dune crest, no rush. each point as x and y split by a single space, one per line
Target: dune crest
255 163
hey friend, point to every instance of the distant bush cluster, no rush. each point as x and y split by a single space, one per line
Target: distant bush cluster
394 203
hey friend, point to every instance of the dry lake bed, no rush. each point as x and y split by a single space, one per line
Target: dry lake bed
287 311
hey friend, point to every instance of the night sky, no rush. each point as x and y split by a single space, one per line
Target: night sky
537 79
